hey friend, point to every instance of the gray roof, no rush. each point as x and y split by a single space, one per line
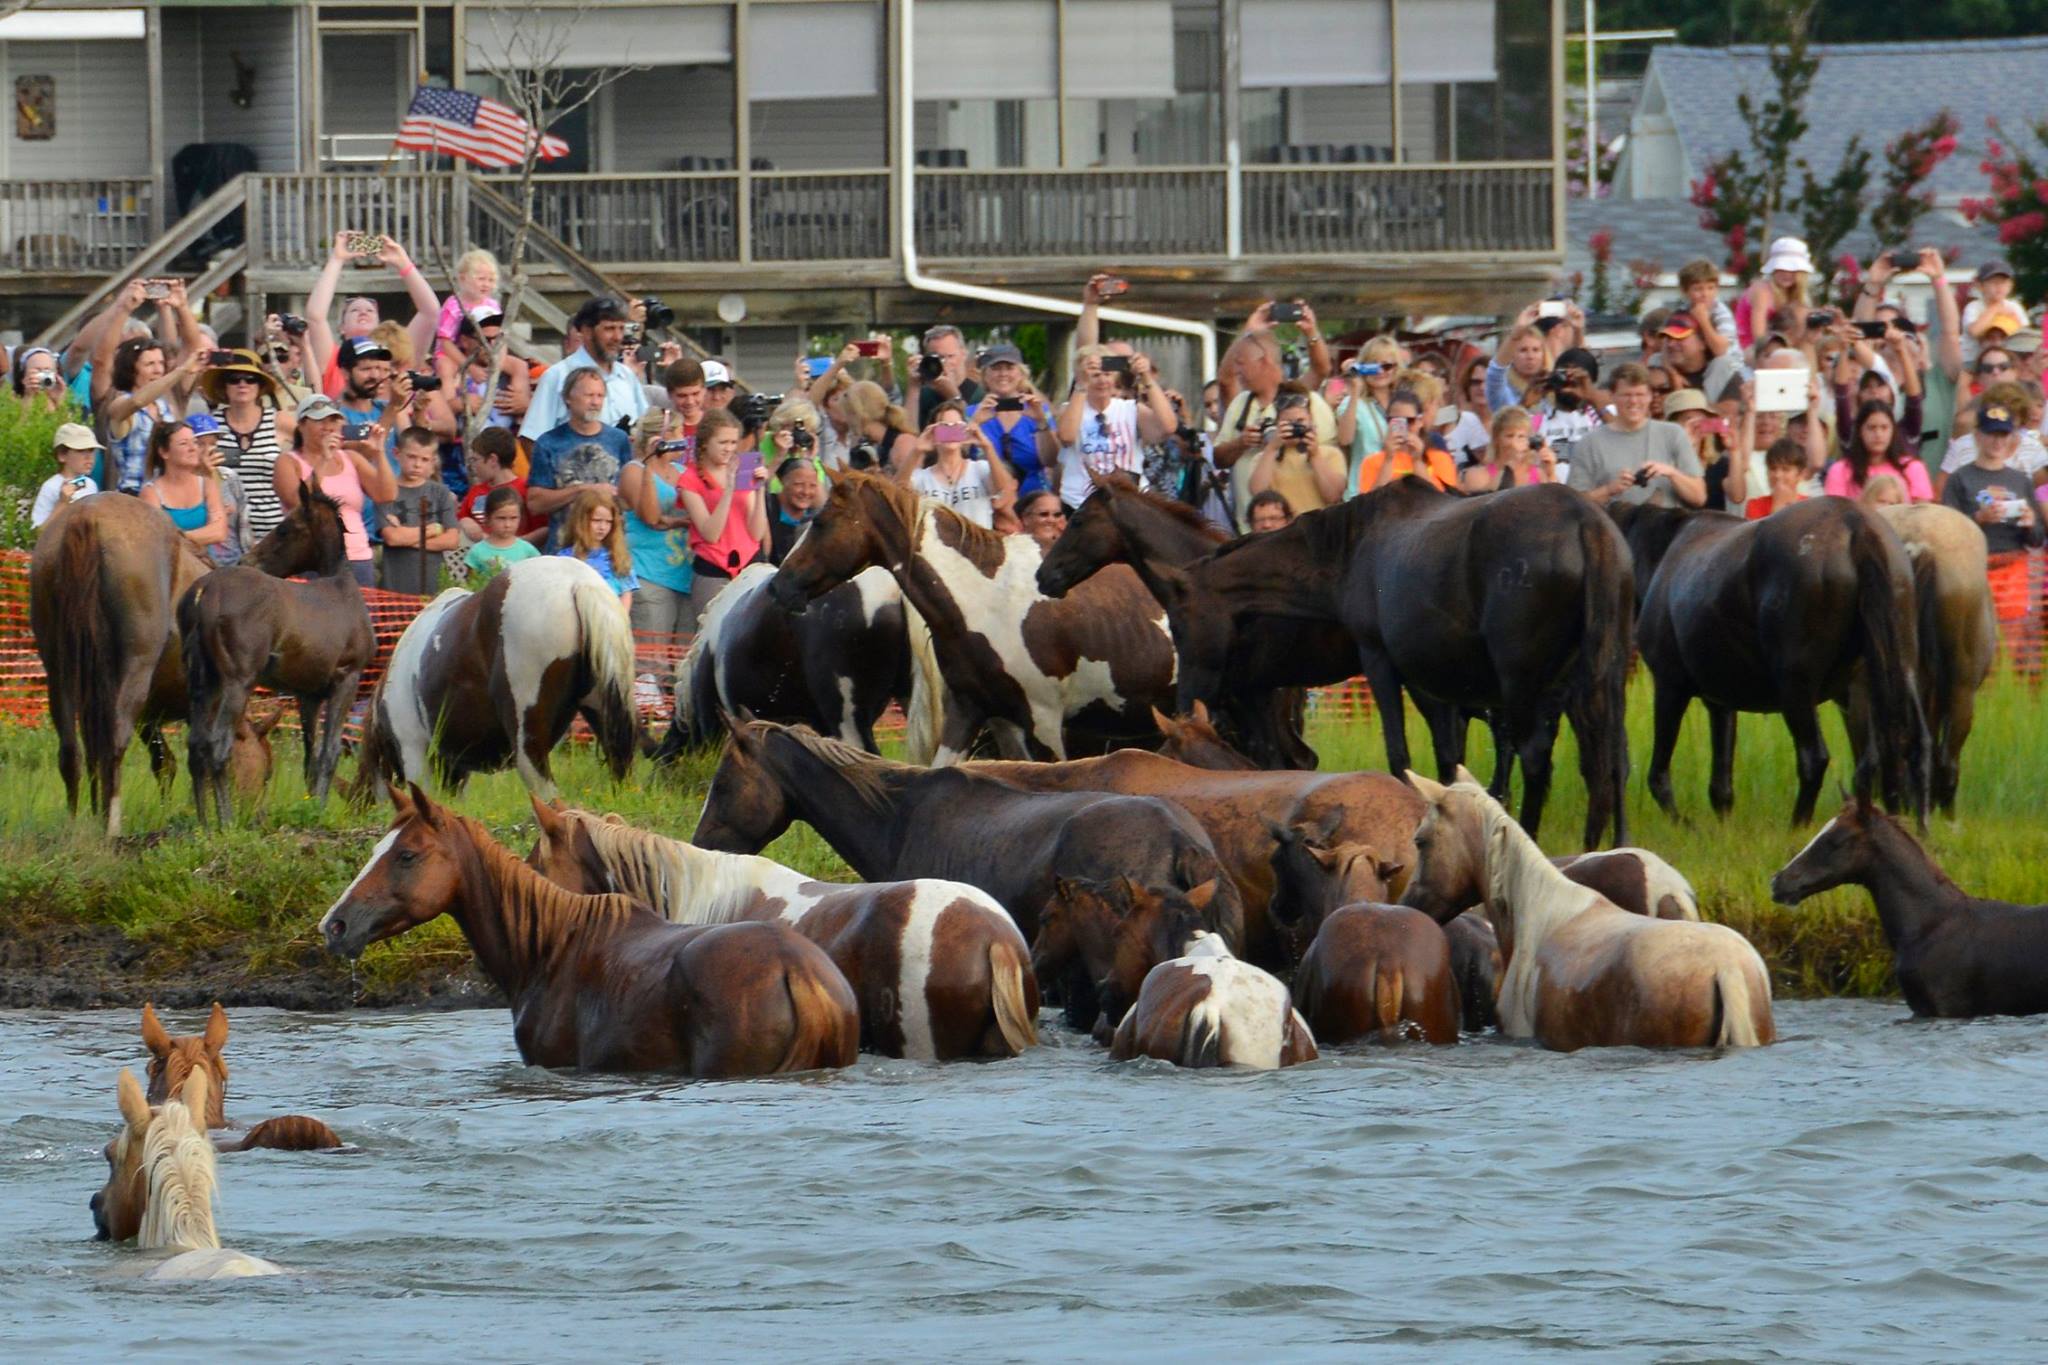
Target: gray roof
1668 232
1876 89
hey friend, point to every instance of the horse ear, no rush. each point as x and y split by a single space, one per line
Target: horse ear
423 806
1465 775
1389 869
134 1108
267 722
1199 898
401 804
312 482
1161 721
1128 890
153 1035
1282 834
1332 821
1432 792
216 1036
547 817
1065 889
1200 711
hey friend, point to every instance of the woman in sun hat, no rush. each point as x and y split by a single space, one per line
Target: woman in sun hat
248 402
1779 287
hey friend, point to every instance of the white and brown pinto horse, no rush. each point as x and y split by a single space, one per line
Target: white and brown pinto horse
1208 1008
938 967
482 679
1036 671
160 1186
1582 971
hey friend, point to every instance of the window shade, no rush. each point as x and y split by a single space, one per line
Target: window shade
607 36
1288 43
1447 40
1120 49
827 51
968 49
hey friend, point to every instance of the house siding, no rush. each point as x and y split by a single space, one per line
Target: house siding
266 40
102 110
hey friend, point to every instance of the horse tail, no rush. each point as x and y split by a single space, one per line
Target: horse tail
1201 1036
1387 988
1737 1010
1006 968
925 709
607 651
823 1030
1607 640
81 657
288 1133
1935 668
375 760
1898 728
207 738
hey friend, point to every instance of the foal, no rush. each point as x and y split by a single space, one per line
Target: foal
1957 956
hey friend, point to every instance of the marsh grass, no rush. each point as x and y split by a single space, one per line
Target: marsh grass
247 899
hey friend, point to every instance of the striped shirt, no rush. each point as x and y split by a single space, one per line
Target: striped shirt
253 456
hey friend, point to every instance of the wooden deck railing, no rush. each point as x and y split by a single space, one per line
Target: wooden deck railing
1096 214
72 226
1400 210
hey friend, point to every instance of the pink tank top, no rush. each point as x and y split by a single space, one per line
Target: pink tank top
735 540
347 489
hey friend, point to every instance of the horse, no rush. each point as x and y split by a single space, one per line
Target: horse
249 759
1027 667
1519 604
104 583
480 679
1207 1008
601 983
1381 972
938 968
1233 809
1192 739
1120 523
160 1187
1957 628
1780 615
1957 956
834 667
1119 931
1315 872
1476 967
1583 972
240 628
172 1062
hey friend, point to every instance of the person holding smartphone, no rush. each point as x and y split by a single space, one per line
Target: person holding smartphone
1014 417
1410 448
1102 432
727 510
979 489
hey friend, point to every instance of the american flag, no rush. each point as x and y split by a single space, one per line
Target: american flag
457 123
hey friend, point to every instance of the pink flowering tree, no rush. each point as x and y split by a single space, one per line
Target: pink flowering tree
2018 205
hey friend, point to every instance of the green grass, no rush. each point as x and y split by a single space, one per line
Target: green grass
244 903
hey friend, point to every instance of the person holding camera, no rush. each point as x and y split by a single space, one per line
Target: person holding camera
74 448
1102 432
657 529
1989 490
36 381
1411 447
359 316
602 325
1255 358
1635 459
1292 462
134 386
1362 412
1517 456
878 432
939 373
248 402
979 489
727 510
792 434
1014 417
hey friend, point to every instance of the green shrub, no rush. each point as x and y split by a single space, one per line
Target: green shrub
26 434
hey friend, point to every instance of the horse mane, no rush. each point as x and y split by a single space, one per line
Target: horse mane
1329 532
1185 513
916 513
178 1172
685 884
866 773
1518 875
544 913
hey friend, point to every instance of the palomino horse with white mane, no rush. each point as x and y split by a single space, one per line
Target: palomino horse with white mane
1583 972
1207 1008
482 679
601 983
160 1186
938 967
1029 667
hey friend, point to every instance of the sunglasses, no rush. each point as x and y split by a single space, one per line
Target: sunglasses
241 379
2001 367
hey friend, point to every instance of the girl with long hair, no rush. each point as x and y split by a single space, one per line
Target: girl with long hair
595 533
1876 446
183 486
874 421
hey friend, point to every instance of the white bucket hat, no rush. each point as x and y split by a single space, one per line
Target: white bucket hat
1789 253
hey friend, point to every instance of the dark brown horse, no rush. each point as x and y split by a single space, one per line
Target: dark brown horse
482 679
240 628
1118 931
601 983
1782 614
1120 523
173 1060
1031 669
1519 605
104 585
1381 972
1957 955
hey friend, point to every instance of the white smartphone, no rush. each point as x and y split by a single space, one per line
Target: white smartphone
1550 308
1782 390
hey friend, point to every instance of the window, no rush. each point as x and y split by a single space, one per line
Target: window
814 85
1143 82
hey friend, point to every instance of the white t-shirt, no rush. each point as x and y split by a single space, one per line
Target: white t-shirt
1108 444
2012 308
50 497
1963 450
1467 438
971 497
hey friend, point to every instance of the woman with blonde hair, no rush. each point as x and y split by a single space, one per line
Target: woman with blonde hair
875 422
1362 415
596 534
792 431
1518 456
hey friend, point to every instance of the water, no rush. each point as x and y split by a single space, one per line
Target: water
1868 1188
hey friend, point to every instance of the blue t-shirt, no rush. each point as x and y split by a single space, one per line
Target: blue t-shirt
543 468
600 559
1018 445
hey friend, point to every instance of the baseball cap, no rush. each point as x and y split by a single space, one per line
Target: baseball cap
204 424
716 374
76 436
2024 342
358 349
1679 326
482 316
1995 418
1991 270
1002 353
600 310
316 407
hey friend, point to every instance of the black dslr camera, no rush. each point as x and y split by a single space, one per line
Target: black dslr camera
755 409
658 315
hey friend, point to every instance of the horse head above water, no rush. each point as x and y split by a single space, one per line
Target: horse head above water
1314 873
1120 931
173 1061
160 1174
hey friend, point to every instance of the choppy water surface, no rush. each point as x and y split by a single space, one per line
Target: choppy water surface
1865 1188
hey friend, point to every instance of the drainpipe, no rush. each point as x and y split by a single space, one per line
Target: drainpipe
906 232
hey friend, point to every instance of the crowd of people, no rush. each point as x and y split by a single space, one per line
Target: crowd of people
453 451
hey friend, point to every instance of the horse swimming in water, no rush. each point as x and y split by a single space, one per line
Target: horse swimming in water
1207 1008
173 1061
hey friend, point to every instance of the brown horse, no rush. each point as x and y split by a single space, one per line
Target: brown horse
1028 667
1583 972
1119 931
482 679
250 761
1206 1008
1233 809
1476 966
1315 871
240 628
1121 523
1192 739
938 967
1957 956
172 1062
601 983
1958 633
1378 971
